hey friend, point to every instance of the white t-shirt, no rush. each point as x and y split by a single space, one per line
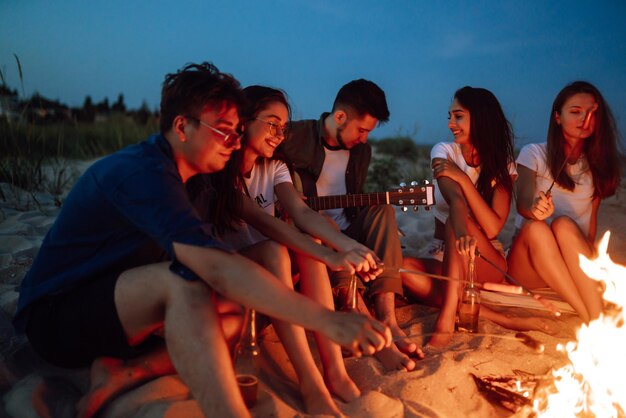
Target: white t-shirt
576 203
265 175
452 151
332 182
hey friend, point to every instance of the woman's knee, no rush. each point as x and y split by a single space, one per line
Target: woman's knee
535 231
273 250
565 227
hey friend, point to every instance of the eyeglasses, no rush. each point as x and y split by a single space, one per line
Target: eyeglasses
276 129
230 139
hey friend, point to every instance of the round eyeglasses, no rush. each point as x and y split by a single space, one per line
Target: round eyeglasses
276 129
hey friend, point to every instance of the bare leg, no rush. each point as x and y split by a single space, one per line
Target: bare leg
110 377
150 296
423 288
571 243
391 357
314 283
384 305
430 292
317 399
455 265
536 261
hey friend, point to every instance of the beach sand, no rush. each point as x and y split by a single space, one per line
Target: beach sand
441 385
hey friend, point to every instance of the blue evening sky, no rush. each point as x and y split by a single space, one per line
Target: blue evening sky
418 51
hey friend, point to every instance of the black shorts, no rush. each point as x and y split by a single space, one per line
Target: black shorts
74 328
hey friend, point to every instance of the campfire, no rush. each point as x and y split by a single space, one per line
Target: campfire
592 385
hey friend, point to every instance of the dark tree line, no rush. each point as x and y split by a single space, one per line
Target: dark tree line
39 109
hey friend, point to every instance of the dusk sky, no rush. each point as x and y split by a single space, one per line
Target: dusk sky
418 51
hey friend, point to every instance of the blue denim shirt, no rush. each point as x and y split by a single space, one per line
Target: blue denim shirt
125 211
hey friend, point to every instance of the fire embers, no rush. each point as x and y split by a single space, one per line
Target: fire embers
513 392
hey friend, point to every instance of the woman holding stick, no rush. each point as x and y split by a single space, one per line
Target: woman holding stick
266 181
561 183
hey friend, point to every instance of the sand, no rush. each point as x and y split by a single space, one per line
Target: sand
441 385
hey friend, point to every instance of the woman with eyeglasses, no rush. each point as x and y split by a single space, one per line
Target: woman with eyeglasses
267 181
561 183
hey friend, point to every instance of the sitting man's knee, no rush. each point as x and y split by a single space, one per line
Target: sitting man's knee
186 289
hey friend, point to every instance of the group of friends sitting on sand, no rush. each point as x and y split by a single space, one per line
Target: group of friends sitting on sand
159 246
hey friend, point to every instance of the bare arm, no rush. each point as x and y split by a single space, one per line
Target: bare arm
531 204
244 281
311 222
459 212
490 218
593 223
281 232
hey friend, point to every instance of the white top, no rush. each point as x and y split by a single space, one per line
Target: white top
452 151
332 182
265 175
576 203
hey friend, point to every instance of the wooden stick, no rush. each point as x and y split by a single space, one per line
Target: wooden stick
525 339
494 287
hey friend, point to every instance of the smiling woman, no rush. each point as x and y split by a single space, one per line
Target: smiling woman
267 181
474 176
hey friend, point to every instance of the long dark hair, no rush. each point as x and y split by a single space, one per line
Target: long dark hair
601 148
492 136
258 98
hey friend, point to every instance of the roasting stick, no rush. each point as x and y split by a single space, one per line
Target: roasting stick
525 339
535 296
517 288
585 126
494 287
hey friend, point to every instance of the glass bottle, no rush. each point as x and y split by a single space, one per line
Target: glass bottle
350 304
470 302
246 359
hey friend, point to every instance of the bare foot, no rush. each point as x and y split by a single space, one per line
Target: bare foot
54 396
393 359
404 344
444 330
109 377
342 386
318 402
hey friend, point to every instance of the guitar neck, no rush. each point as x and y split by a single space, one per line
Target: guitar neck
347 200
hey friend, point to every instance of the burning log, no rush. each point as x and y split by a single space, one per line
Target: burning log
512 392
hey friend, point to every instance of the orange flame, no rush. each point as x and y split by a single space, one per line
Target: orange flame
593 384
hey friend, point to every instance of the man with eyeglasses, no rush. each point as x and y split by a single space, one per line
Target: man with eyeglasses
129 259
331 157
